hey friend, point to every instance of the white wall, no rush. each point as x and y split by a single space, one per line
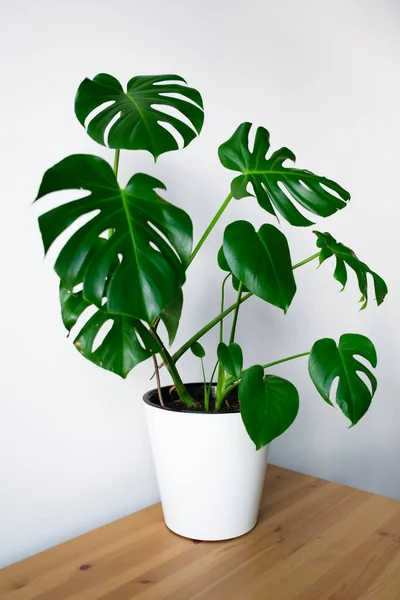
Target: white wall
323 77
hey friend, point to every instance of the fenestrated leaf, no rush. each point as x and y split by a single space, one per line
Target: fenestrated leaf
261 261
139 111
171 315
345 256
152 239
231 358
328 361
198 350
127 344
268 405
275 185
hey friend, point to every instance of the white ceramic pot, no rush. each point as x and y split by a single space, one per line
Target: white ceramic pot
209 473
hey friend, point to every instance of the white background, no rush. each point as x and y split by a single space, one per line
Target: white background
323 77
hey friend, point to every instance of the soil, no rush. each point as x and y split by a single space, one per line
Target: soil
171 400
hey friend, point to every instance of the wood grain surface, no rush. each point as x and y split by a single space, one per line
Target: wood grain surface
315 540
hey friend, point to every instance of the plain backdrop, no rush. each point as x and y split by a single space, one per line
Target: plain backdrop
323 77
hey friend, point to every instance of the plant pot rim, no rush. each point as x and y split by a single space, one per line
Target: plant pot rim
148 397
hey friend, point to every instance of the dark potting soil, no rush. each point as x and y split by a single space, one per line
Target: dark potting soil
171 400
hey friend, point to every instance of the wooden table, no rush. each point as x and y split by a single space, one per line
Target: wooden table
315 540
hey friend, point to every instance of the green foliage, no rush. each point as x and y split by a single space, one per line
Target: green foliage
261 260
124 252
231 358
140 118
328 361
127 344
151 270
274 184
345 256
171 316
198 350
268 405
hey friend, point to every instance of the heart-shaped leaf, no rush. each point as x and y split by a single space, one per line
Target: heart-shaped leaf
328 361
345 256
268 405
171 316
275 185
198 350
231 358
126 344
137 115
261 260
152 239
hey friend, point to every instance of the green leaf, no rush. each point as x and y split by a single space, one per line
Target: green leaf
139 112
127 344
261 260
198 350
152 239
275 185
328 361
171 315
268 405
231 358
345 256
225 267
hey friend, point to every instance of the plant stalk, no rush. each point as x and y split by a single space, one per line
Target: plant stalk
157 373
231 387
236 313
210 227
185 347
176 378
116 165
181 351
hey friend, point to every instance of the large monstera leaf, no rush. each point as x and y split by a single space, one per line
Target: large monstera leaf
345 256
329 361
274 184
137 114
127 343
261 261
268 405
151 238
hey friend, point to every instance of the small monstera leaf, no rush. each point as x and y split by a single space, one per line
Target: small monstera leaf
274 184
231 358
261 261
126 344
136 115
328 361
268 405
345 256
151 238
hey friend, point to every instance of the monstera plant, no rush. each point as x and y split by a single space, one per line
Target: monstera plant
125 260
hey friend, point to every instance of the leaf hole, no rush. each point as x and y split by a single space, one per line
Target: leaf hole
330 190
102 333
109 127
96 111
365 379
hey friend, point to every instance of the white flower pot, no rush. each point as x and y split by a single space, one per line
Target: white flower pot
209 473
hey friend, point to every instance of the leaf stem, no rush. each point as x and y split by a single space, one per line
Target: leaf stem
210 227
157 372
206 398
305 261
282 360
173 371
185 347
236 313
116 161
181 351
221 323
